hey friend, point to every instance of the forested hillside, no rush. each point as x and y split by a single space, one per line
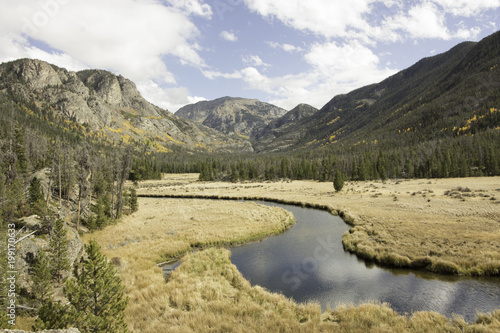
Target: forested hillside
438 118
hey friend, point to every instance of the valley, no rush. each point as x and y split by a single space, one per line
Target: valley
203 291
411 163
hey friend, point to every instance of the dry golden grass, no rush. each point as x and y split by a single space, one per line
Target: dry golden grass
208 294
409 223
163 229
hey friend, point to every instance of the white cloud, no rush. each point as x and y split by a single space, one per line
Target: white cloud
212 75
421 21
376 20
332 58
190 7
285 47
335 69
467 8
125 36
168 98
427 20
229 36
330 18
254 60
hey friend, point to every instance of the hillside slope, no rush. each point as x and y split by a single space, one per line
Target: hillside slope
107 106
452 94
281 126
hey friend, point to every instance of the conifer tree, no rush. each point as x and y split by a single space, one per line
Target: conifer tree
53 315
134 204
36 198
338 181
15 206
59 250
41 279
97 300
20 149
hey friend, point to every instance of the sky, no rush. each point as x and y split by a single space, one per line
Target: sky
283 52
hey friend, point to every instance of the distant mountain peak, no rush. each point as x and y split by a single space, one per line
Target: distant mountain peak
233 115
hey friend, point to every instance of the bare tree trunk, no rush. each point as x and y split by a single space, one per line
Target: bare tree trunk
60 186
123 172
79 206
112 213
49 189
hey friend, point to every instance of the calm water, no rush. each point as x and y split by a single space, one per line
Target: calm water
308 263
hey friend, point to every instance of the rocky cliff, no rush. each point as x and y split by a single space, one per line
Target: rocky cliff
108 104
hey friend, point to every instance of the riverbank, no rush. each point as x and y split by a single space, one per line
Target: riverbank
447 226
164 229
206 292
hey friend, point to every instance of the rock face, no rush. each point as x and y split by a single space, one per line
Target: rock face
30 247
230 115
110 104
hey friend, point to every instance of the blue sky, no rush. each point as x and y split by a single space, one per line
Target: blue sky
283 52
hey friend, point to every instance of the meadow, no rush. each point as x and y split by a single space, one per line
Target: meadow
447 226
401 220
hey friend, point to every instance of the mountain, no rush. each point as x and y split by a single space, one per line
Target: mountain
281 126
107 106
230 115
447 95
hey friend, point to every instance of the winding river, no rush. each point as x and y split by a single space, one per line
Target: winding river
308 263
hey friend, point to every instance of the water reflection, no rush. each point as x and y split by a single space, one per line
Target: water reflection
308 263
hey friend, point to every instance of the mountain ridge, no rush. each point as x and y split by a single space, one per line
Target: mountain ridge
430 98
104 102
233 115
446 95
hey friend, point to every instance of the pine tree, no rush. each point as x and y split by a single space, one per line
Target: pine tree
338 181
52 315
134 204
96 296
59 250
102 210
41 279
124 166
36 198
20 149
15 206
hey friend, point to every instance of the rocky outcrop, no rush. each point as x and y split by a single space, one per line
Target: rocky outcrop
105 102
233 115
29 248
